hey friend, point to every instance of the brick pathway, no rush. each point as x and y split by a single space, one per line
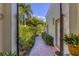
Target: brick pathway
41 49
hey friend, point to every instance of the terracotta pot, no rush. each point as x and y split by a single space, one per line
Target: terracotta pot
74 51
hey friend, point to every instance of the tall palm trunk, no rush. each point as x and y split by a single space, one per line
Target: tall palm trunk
28 17
25 9
23 21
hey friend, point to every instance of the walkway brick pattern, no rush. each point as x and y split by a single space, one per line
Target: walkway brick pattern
41 49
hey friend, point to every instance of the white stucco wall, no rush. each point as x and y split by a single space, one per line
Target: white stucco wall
1 21
53 12
78 20
73 17
65 11
13 27
8 27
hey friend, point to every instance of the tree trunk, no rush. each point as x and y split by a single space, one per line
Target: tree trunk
23 21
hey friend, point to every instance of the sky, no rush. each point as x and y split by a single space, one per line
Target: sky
39 9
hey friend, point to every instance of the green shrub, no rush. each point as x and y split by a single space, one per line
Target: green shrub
26 40
30 43
27 33
27 45
37 25
72 39
8 53
48 39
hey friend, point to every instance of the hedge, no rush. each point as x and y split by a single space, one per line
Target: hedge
48 38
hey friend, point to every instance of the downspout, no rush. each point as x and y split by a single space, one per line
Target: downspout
61 30
60 53
17 29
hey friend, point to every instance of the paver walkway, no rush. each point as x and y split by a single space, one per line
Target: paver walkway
41 49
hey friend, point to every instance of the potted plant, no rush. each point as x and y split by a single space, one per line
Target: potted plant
72 40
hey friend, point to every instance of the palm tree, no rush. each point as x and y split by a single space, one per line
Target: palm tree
25 9
28 11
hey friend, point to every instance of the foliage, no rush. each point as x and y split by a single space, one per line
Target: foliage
24 9
48 39
26 37
27 45
35 22
28 28
72 39
27 33
37 25
8 54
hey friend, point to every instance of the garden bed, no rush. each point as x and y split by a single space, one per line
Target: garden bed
48 38
26 48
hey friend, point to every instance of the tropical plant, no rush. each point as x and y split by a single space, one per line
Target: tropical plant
26 40
48 38
24 9
72 39
8 53
27 33
37 25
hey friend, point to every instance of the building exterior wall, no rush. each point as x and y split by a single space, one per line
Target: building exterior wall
70 16
78 20
51 16
65 11
13 27
8 27
73 17
1 21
